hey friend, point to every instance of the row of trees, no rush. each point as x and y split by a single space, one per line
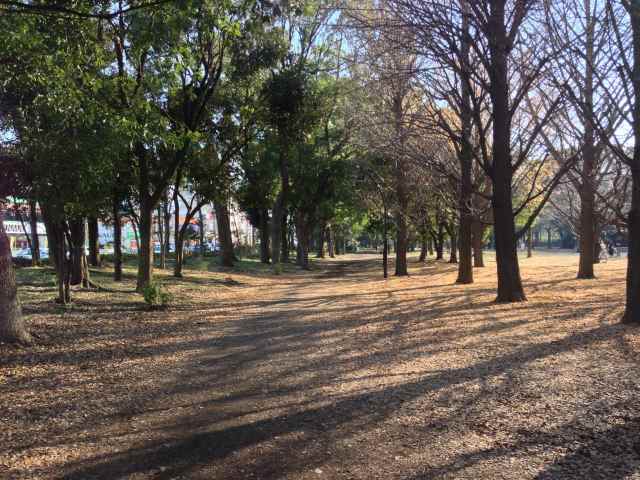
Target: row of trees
137 110
431 118
502 109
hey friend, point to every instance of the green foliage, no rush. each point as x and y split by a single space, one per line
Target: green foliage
155 296
292 103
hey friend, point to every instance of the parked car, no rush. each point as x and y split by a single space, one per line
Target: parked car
26 253
22 253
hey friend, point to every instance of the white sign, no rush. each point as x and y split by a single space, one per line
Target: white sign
14 227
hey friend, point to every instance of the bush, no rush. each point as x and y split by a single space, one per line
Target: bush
155 296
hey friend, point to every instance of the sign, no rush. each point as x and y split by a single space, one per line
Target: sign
14 227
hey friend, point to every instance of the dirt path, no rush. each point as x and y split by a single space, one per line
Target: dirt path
335 374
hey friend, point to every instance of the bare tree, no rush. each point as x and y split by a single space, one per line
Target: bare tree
510 59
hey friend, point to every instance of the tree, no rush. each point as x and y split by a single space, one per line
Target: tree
511 59
12 326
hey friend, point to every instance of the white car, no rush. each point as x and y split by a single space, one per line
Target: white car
26 253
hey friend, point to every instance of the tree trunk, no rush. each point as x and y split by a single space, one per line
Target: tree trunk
465 246
167 229
453 256
529 243
178 237
57 252
303 234
264 236
79 271
285 237
12 327
94 242
224 233
161 236
117 241
321 239
438 239
465 266
26 234
330 242
478 233
179 253
201 231
423 248
35 240
276 233
632 305
401 244
402 207
298 251
587 187
509 281
385 246
145 248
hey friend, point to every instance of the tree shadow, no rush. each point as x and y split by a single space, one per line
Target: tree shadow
194 441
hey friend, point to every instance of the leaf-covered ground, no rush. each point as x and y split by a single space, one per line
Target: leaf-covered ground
333 374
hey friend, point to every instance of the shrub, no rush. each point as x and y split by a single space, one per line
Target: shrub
155 296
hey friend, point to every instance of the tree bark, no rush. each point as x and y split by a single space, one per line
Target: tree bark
26 234
478 233
12 326
632 304
321 240
117 241
179 253
167 229
94 242
201 231
35 240
529 244
587 187
401 210
453 256
79 267
465 158
385 246
303 233
423 248
401 243
438 239
509 282
161 236
57 252
596 246
178 237
285 237
264 236
330 242
224 233
145 247
276 232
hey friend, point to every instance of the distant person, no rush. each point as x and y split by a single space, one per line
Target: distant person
603 252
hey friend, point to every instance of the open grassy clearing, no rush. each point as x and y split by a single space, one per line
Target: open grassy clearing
330 374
